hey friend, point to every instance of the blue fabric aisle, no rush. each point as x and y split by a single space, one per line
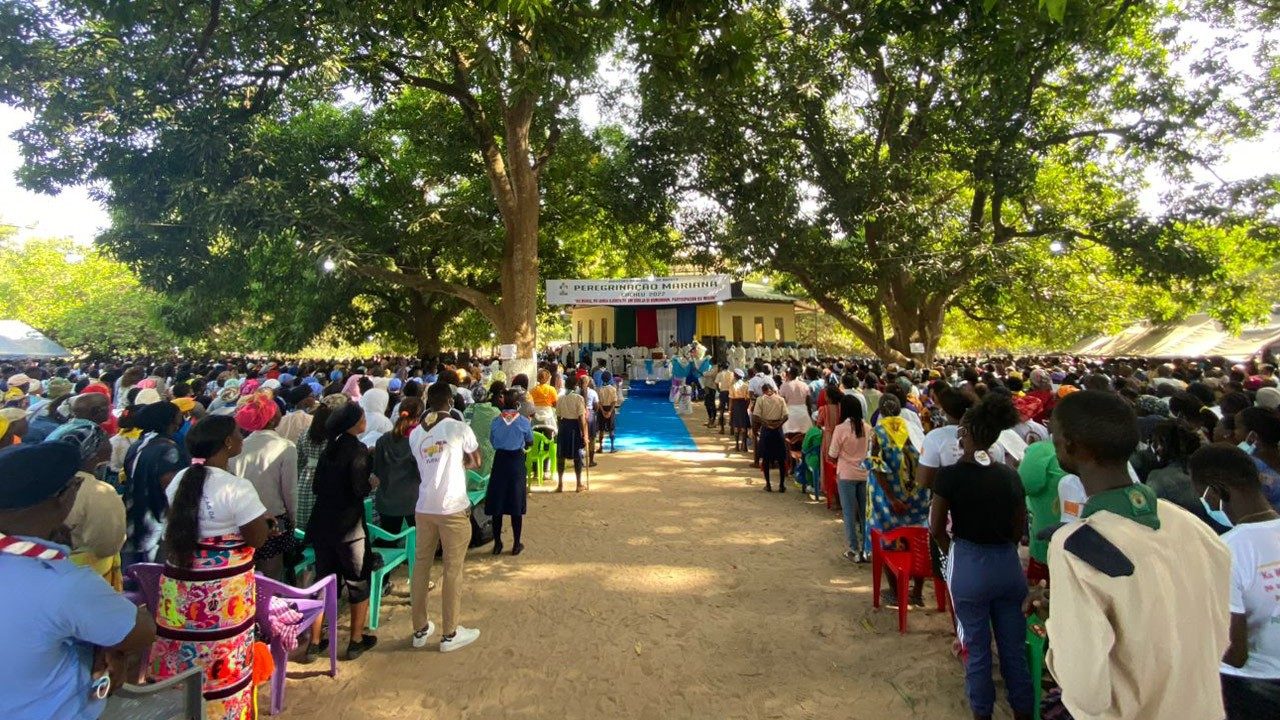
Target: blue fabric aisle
648 422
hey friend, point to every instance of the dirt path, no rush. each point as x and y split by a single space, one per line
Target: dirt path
674 589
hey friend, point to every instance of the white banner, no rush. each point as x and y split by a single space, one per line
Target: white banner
640 291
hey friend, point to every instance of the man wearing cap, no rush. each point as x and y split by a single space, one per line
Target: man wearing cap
96 520
1130 636
63 626
45 418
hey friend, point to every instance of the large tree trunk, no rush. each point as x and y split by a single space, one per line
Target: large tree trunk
427 321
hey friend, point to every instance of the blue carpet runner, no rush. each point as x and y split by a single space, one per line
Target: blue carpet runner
647 422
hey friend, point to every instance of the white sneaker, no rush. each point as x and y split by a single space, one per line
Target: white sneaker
462 637
420 637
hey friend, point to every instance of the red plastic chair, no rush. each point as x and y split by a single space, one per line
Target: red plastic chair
906 565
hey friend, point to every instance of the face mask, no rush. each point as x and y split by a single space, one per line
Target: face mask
1246 446
1218 515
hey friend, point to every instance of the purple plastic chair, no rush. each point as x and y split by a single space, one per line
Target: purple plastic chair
310 606
147 577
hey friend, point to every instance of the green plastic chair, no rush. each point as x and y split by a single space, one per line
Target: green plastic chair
539 458
477 487
368 510
1036 648
392 557
308 555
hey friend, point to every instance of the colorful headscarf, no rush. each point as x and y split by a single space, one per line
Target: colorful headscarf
1028 407
85 435
256 413
352 388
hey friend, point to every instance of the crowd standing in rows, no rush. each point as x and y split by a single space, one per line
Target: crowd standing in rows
1146 494
220 470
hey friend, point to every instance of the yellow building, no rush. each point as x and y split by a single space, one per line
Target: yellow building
753 314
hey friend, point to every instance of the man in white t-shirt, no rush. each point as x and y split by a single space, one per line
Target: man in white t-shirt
1227 481
444 449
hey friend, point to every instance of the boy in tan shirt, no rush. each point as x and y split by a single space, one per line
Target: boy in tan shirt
1140 586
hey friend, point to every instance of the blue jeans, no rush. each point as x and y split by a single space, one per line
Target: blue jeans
987 588
853 504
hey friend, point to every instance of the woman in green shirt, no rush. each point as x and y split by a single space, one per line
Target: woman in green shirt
1040 474
480 417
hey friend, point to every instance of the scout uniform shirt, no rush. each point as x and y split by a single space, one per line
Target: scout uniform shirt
608 396
771 408
1138 610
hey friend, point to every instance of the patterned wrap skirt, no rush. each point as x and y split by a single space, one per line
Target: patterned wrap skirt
206 617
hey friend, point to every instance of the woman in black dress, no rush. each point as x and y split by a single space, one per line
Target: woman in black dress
511 434
336 528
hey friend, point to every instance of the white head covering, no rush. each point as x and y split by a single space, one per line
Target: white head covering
374 402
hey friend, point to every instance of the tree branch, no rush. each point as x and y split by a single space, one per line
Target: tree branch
549 148
477 299
206 37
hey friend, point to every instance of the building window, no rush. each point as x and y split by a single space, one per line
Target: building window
759 329
778 333
737 328
591 332
604 331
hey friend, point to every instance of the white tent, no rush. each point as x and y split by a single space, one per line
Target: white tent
1196 336
20 341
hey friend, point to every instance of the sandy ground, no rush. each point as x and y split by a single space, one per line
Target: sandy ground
675 588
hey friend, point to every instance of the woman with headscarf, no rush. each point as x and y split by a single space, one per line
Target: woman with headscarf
207 608
336 529
1042 390
480 416
352 387
96 520
148 467
374 403
894 498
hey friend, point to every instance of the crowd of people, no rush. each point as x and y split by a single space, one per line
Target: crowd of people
222 470
1143 495
1146 495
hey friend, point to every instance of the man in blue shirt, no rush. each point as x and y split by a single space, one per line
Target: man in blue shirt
63 625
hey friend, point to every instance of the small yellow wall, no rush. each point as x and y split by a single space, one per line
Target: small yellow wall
749 311
599 319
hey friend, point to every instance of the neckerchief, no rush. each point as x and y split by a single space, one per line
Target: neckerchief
13 545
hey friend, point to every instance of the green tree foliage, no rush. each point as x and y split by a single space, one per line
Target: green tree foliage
896 159
166 96
79 297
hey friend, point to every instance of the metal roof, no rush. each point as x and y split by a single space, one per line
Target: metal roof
758 292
